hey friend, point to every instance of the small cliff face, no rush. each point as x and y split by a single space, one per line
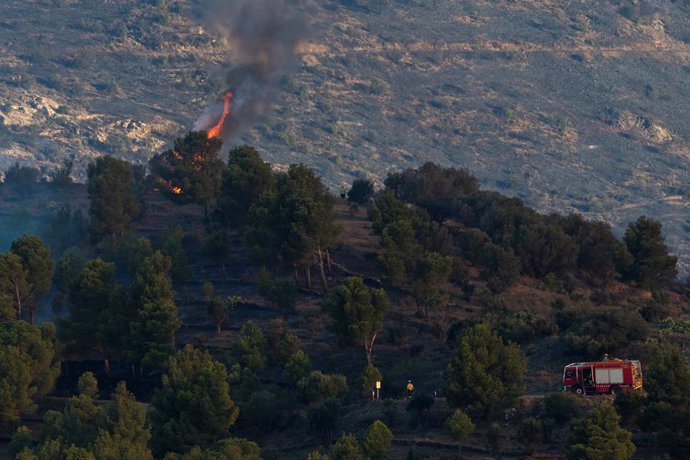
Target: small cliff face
574 107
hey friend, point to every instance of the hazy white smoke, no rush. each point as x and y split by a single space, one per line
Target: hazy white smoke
262 38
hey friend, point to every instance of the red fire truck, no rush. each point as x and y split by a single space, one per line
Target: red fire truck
602 377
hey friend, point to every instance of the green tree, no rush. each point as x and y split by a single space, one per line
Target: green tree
219 309
190 172
114 201
39 269
14 285
318 386
152 338
361 191
298 367
485 374
653 267
28 368
460 427
98 318
21 440
431 272
357 313
250 347
246 177
346 448
599 436
170 245
378 440
21 178
317 455
67 271
368 379
295 223
193 405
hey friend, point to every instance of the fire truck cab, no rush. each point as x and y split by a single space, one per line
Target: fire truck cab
602 377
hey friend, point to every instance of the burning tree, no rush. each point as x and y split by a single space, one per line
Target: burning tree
190 172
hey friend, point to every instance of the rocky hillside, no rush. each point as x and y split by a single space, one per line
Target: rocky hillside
573 106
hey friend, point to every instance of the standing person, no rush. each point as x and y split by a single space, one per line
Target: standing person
410 388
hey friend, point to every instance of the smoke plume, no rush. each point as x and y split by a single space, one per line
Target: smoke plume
262 38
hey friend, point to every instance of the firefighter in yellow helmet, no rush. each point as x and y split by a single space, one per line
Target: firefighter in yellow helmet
410 388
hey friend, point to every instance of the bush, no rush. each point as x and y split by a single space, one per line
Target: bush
362 190
281 292
560 406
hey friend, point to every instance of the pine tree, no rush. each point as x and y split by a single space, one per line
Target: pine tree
193 406
378 440
39 269
114 202
357 313
599 435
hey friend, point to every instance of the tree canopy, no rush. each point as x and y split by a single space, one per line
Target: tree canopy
28 369
599 435
357 313
485 374
193 405
114 201
653 267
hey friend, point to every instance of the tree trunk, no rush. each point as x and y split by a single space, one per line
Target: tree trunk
328 261
321 270
106 366
296 274
369 348
18 298
32 315
218 324
307 273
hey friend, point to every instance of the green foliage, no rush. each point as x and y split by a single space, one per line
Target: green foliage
459 426
529 433
357 313
61 178
378 440
431 272
560 406
39 268
193 405
21 178
97 305
28 368
250 347
246 177
88 385
369 377
522 327
653 267
672 325
115 430
597 247
67 271
128 253
433 188
191 168
485 374
297 368
14 286
21 439
282 292
346 448
67 228
361 191
114 201
591 334
152 336
599 436
500 267
318 386
317 455
297 219
170 245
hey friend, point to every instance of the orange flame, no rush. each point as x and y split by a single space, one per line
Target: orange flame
216 130
176 190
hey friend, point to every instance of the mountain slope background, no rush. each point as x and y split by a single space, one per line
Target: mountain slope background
572 106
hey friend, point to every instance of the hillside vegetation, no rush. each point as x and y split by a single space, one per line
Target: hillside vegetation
253 313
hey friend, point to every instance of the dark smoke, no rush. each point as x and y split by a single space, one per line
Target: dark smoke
262 38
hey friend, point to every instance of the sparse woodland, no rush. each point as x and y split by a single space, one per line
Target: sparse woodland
225 310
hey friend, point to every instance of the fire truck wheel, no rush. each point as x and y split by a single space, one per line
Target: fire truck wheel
577 389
